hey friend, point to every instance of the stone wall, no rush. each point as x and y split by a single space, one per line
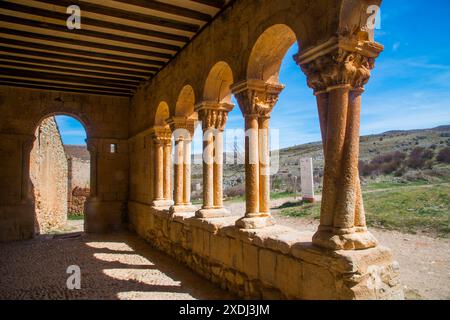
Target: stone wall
271 263
79 178
104 119
48 174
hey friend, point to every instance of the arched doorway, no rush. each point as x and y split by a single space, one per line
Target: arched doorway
59 174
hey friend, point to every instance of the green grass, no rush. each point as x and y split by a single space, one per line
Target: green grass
393 184
72 216
410 210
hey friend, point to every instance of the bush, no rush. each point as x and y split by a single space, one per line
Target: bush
419 157
236 191
444 155
383 164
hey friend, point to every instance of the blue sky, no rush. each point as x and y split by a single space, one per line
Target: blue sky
409 88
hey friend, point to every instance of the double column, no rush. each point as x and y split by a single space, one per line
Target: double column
182 132
338 71
214 117
256 100
162 162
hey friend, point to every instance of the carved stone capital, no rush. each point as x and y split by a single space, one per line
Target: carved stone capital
177 123
213 115
161 135
256 97
339 62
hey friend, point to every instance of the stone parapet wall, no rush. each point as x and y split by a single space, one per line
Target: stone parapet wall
272 263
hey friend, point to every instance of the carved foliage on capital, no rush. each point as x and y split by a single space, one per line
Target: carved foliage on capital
343 65
257 97
181 125
214 116
161 136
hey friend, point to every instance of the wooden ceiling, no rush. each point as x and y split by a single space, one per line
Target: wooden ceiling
120 44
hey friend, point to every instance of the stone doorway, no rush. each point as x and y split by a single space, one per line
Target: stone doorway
59 175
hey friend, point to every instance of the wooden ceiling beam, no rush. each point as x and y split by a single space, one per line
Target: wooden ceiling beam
51 48
88 33
93 22
128 15
61 88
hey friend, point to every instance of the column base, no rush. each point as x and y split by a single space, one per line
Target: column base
212 213
161 204
255 221
182 208
337 239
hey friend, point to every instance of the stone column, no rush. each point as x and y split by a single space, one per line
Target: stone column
218 169
264 165
256 100
162 155
338 71
178 172
182 131
214 117
167 169
208 170
187 172
159 170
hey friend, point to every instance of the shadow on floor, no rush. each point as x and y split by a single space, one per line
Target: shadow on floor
116 266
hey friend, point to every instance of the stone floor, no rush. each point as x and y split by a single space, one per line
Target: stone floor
119 266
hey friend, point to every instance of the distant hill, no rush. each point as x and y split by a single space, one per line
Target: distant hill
370 146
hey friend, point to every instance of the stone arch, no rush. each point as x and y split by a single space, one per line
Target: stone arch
218 82
51 112
185 103
162 114
268 53
50 185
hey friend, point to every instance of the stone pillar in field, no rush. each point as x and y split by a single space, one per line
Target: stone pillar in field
307 179
256 100
162 159
214 117
182 133
337 71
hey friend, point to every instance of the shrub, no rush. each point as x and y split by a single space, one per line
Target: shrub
382 164
419 157
236 191
444 155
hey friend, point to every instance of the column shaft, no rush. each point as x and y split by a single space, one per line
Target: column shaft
208 172
218 169
187 172
158 171
264 165
251 166
336 127
167 170
178 172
